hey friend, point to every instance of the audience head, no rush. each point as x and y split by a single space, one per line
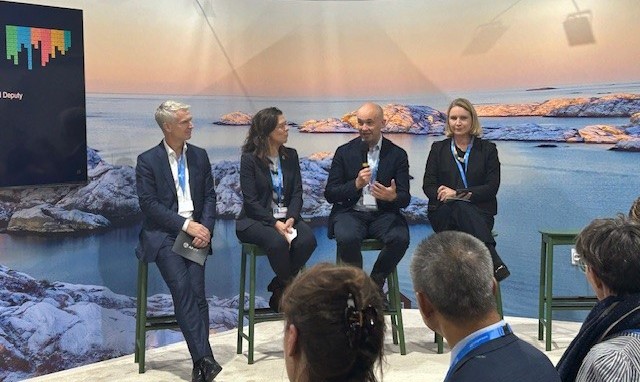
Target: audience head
267 126
634 212
453 272
467 108
334 327
610 249
370 121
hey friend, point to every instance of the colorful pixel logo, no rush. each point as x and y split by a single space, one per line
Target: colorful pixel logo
50 40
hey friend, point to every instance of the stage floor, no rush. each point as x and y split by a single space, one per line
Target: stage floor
172 363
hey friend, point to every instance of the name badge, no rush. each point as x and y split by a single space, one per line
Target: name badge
368 200
280 212
185 206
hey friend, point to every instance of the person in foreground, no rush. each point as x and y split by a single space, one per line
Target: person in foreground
607 347
271 187
461 180
176 193
455 291
334 327
368 184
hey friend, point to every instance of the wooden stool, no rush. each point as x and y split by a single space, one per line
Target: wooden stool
395 303
145 323
254 315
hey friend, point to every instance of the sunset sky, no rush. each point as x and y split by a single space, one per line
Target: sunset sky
351 48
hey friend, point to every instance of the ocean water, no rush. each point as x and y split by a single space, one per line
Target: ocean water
561 187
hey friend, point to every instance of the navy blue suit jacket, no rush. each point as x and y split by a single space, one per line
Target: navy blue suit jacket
483 173
257 189
347 162
159 202
505 359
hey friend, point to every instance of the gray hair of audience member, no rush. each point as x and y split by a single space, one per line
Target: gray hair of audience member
166 112
454 270
476 128
610 247
634 211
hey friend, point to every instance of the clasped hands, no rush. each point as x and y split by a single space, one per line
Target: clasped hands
378 190
201 234
285 227
445 193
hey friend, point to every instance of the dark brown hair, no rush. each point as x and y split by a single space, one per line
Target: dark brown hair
316 304
262 124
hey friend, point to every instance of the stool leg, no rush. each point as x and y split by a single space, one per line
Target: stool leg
548 294
252 305
243 271
394 289
141 327
499 301
541 297
438 340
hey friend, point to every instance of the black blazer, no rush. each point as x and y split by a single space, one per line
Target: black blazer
483 174
505 359
347 162
257 189
159 202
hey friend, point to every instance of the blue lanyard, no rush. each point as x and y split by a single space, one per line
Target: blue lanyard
277 181
476 342
463 173
181 174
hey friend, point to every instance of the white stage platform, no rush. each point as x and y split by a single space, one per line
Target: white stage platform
172 363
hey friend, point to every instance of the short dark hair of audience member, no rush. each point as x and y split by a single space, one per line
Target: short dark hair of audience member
334 325
634 212
609 248
476 129
262 124
466 262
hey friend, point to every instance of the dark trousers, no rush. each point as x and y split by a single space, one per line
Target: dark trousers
285 261
468 218
185 280
391 228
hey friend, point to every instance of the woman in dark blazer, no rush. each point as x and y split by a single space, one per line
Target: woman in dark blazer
271 187
461 180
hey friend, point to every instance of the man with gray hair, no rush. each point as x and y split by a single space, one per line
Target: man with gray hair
178 200
453 279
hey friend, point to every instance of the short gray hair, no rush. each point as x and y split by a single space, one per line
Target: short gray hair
166 112
454 270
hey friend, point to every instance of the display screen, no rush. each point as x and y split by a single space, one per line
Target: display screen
43 130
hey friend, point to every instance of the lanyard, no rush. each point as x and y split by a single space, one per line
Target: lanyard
181 174
463 173
277 181
476 342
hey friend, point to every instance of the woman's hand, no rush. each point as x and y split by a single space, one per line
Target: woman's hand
282 227
445 193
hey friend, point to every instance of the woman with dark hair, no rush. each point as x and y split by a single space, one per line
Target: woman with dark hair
607 347
271 187
461 180
334 327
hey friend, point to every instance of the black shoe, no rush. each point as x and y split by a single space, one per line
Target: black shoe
501 273
205 369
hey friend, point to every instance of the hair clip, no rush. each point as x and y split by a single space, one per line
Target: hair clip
360 323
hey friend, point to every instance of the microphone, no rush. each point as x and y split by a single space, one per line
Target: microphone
364 149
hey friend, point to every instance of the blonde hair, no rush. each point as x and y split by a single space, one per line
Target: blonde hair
634 212
476 129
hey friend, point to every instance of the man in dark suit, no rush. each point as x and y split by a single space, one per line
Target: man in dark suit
368 184
176 193
455 289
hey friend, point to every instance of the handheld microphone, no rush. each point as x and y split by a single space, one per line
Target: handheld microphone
364 150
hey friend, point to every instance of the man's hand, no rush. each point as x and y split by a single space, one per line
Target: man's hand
364 177
445 193
201 234
380 192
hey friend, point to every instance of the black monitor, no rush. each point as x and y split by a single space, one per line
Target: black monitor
43 129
